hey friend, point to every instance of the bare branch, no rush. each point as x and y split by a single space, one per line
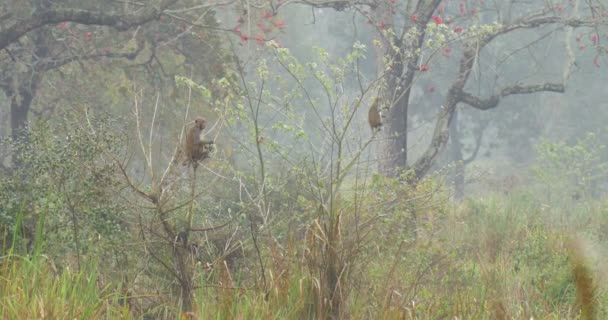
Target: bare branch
47 65
492 102
118 22
538 19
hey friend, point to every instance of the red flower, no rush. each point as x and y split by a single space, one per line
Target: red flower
594 39
239 20
381 25
424 67
596 62
259 38
463 9
237 30
431 88
437 19
244 38
267 15
578 37
393 1
64 25
446 52
262 27
414 18
458 29
88 36
280 23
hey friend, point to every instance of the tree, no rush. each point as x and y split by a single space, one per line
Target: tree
40 38
412 31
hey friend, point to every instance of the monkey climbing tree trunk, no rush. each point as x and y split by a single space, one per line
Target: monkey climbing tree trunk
400 59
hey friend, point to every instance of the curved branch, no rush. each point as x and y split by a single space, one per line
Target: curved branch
118 22
53 64
492 102
478 142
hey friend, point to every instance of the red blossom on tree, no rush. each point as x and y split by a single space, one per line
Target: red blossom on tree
414 18
237 30
596 61
446 52
244 38
87 36
423 67
594 39
458 29
259 38
463 9
64 25
267 15
381 25
431 88
262 26
437 19
280 23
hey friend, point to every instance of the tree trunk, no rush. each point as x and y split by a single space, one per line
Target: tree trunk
394 141
456 158
21 103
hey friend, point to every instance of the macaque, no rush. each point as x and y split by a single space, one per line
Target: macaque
373 116
194 148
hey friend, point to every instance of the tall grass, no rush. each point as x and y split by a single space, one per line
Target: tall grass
496 257
32 287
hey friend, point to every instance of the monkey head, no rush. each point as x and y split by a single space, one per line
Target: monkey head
200 123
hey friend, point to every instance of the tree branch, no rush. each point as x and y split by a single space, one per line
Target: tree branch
56 63
118 22
492 102
478 142
538 19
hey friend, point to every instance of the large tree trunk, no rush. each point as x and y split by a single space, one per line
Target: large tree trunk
401 52
394 142
21 102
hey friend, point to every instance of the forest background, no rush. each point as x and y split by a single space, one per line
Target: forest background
482 195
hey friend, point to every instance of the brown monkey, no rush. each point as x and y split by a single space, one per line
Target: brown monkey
373 116
194 147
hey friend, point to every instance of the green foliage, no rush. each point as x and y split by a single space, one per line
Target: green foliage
571 170
65 179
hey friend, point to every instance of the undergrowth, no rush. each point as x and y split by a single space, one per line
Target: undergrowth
494 257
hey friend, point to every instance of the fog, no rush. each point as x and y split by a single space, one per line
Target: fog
482 194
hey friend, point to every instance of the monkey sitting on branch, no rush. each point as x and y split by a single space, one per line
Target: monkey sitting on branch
195 149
